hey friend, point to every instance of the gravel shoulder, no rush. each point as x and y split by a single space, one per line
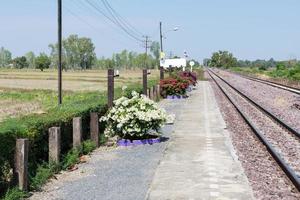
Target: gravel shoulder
111 173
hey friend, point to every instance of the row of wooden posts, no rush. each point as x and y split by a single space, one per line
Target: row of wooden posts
22 145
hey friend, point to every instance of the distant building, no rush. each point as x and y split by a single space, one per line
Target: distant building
175 62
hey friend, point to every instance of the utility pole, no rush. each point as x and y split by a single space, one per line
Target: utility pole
147 41
59 20
161 37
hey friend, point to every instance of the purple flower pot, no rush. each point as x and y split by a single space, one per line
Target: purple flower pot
127 142
175 97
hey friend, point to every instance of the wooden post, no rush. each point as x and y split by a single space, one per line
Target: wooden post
145 74
158 92
148 93
21 165
161 70
77 131
94 128
151 96
110 87
154 93
54 144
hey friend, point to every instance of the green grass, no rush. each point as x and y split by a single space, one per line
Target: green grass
15 194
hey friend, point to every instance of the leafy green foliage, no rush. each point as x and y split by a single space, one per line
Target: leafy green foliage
15 194
5 57
281 71
78 53
71 158
43 173
88 146
20 62
42 62
223 59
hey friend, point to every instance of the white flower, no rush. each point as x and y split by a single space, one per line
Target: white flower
124 88
134 116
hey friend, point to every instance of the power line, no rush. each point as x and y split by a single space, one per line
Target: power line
110 19
87 23
121 19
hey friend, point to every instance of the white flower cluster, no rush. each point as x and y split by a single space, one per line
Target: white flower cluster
133 116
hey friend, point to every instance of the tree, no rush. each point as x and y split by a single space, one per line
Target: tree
30 57
76 53
20 62
42 62
5 57
223 59
155 50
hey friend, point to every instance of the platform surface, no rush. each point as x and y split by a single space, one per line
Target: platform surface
199 162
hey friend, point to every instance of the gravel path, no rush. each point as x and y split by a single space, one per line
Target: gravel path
267 179
285 143
111 173
281 103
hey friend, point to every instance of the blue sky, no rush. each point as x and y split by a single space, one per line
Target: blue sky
250 29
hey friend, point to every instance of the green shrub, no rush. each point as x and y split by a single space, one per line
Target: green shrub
88 146
71 158
43 173
14 194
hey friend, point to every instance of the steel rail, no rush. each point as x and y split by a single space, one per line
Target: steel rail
283 165
271 83
268 112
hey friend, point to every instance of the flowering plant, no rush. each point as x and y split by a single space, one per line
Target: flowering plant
173 86
133 117
190 76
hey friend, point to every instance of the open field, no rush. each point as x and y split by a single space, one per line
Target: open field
91 80
30 91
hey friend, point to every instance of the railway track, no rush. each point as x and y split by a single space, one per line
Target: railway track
270 130
271 83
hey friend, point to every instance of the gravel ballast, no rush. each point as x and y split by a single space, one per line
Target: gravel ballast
283 104
285 143
267 179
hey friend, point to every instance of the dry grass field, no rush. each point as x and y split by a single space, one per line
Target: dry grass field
91 80
28 91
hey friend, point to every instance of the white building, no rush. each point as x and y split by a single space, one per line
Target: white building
175 62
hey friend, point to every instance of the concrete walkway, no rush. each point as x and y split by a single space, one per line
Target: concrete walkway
199 162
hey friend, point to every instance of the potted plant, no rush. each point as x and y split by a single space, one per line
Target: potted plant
131 119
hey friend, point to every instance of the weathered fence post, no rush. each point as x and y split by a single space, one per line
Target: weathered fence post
21 163
158 91
110 87
154 92
148 93
77 131
145 74
151 96
94 128
54 144
161 70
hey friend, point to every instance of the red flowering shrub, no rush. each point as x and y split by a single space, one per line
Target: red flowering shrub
190 76
173 86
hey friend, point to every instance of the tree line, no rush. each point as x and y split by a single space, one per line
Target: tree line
225 59
79 53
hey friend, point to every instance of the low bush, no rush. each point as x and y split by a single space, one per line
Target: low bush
15 194
133 117
177 83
